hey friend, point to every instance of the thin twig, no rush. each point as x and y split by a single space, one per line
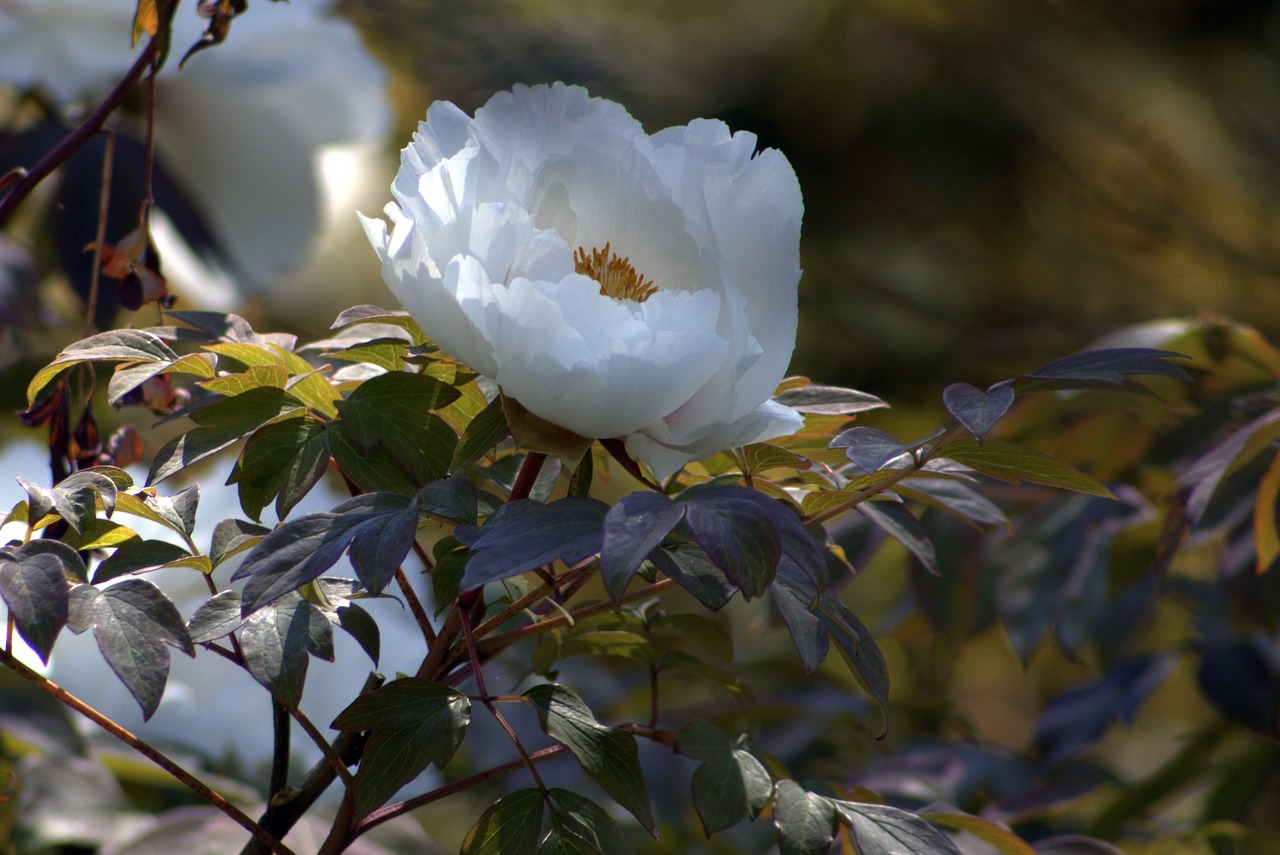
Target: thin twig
398 809
147 750
415 605
338 764
100 237
77 138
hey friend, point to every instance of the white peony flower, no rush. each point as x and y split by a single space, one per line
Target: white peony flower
613 283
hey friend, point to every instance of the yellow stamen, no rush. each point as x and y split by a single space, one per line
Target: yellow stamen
618 278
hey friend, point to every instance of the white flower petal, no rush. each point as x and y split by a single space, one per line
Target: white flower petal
482 253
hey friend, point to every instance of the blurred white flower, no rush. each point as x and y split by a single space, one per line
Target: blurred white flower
247 126
613 283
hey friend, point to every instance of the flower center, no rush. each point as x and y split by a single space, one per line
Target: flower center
618 277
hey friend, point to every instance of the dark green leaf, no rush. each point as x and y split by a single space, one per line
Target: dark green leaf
371 470
35 586
884 830
132 622
484 432
276 641
281 461
216 617
530 534
363 628
607 754
451 498
730 783
511 826
579 825
394 412
806 822
978 411
446 578
138 556
412 723
222 424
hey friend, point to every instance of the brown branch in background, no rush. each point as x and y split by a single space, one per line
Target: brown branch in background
77 138
260 834
100 236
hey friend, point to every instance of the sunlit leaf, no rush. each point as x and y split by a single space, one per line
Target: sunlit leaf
35 585
277 640
828 400
134 623
884 830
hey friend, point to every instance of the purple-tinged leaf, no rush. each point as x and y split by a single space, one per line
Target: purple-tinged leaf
532 536
138 556
634 528
216 617
1204 476
739 530
301 550
692 570
35 586
858 647
954 496
1079 717
1111 365
829 400
800 617
900 524
133 621
232 536
362 627
978 411
868 448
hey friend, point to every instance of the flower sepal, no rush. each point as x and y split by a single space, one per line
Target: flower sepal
534 433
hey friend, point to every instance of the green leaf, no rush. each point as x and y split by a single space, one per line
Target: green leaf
99 534
281 461
133 621
579 825
216 617
511 826
484 432
362 627
730 783
679 661
34 584
884 830
367 314
1016 463
386 353
607 754
276 641
222 424
412 723
374 470
115 345
806 822
761 457
257 376
394 412
176 513
308 384
138 556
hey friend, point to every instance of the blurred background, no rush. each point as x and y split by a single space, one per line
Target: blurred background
989 185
